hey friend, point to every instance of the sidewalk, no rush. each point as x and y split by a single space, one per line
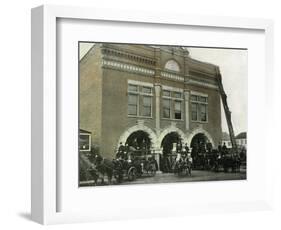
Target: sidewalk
196 175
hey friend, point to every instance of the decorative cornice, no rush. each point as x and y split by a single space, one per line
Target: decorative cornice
128 55
133 82
127 67
172 76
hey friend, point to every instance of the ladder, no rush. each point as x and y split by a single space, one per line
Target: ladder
226 111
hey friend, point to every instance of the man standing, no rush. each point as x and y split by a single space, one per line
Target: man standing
186 148
121 151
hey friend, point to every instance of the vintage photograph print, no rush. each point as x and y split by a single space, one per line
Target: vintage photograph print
161 114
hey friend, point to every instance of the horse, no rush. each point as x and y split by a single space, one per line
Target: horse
87 170
104 167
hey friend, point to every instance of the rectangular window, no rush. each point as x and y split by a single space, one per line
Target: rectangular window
147 104
172 104
139 100
203 110
203 99
146 90
193 98
133 104
166 93
132 88
177 110
199 108
194 110
177 95
166 108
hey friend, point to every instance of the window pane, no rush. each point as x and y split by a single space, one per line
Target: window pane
147 101
203 110
133 99
146 109
194 112
84 142
177 95
133 88
132 110
178 105
178 115
203 99
132 104
193 98
166 103
177 110
147 90
166 108
166 93
166 113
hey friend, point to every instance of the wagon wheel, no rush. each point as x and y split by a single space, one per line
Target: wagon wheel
132 174
151 170
138 170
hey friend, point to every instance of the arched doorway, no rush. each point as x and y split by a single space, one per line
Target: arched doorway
170 142
200 144
199 130
140 127
169 145
139 140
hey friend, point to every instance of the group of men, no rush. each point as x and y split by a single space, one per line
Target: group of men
126 155
122 152
183 154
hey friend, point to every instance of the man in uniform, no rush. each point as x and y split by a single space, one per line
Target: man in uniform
224 149
179 147
120 151
121 154
189 162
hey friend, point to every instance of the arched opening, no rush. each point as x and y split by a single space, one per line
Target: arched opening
139 140
135 134
201 131
200 144
170 144
172 65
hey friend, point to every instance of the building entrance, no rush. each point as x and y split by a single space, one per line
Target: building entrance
171 143
200 144
139 140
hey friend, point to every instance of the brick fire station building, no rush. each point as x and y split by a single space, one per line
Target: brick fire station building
152 95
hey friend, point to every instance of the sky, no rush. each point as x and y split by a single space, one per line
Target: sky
233 65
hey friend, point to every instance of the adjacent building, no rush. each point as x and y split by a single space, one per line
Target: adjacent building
226 140
241 140
149 97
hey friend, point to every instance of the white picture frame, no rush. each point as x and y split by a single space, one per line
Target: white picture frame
45 163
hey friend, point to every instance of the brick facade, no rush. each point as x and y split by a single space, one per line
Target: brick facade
107 70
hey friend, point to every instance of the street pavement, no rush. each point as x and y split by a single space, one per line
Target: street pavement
196 175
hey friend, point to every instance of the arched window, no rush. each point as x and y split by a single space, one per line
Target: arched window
172 65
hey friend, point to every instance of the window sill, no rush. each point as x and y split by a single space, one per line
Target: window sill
143 117
171 119
203 122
